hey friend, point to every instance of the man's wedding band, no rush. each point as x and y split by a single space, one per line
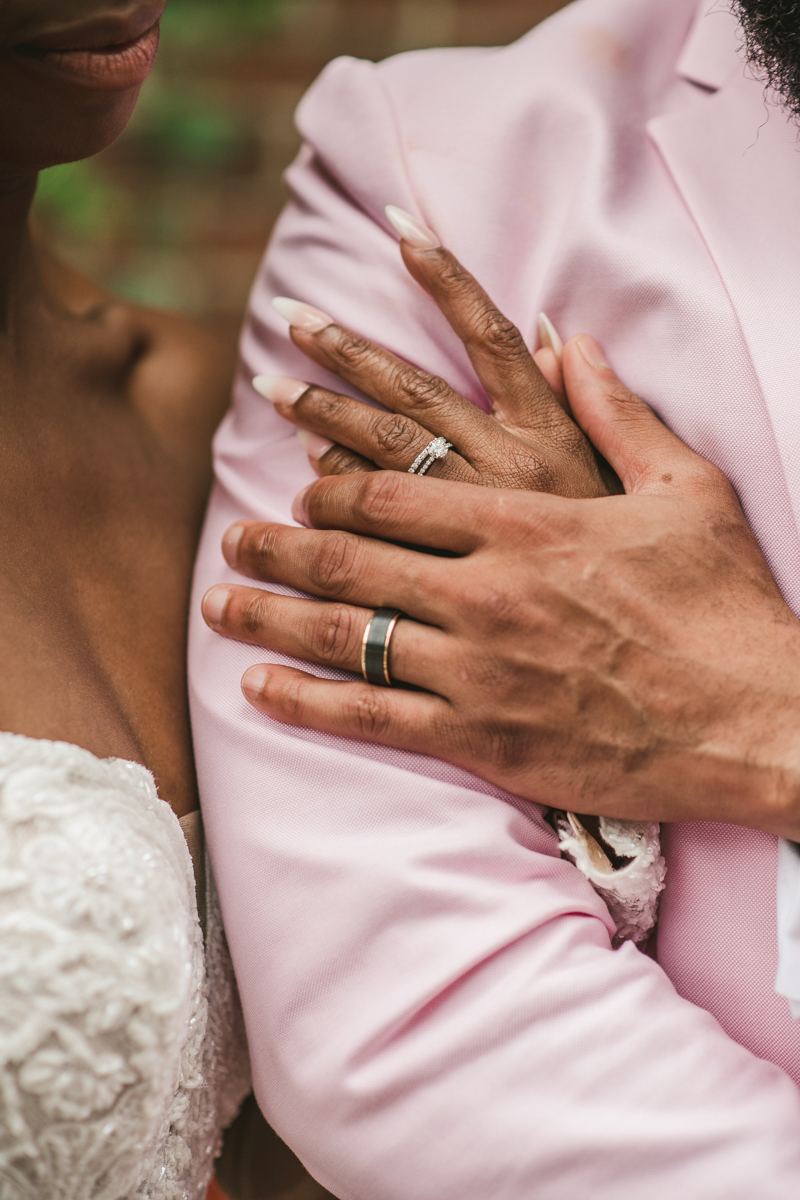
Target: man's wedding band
375 646
438 448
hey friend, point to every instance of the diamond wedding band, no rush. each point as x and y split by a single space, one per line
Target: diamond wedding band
438 448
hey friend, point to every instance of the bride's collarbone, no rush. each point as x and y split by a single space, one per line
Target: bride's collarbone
99 516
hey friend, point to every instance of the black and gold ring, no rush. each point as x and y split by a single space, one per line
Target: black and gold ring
375 646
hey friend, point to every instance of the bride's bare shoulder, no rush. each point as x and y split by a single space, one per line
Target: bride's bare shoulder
181 370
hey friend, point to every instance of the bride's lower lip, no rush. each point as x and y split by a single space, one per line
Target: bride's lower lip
105 68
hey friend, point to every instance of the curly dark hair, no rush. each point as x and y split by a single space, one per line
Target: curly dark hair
772 38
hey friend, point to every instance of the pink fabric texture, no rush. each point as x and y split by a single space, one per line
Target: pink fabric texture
433 1006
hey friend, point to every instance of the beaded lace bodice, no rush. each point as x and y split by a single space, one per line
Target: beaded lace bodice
122 1051
631 892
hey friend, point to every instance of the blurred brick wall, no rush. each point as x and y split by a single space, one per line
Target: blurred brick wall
178 212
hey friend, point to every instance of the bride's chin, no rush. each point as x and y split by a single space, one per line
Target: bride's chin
43 127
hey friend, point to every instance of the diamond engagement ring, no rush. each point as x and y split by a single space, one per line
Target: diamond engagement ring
438 448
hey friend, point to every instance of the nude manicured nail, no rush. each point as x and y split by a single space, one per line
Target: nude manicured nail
302 316
253 682
215 602
314 445
548 336
411 229
280 389
230 543
592 351
299 506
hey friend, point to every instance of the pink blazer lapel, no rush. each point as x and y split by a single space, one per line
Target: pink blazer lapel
736 161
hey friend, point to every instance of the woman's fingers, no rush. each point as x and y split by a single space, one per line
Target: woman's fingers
407 720
548 453
328 634
390 439
397 385
520 395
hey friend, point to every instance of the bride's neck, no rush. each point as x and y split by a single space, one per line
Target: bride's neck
17 267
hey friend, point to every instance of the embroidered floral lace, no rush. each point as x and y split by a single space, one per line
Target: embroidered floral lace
122 1051
631 891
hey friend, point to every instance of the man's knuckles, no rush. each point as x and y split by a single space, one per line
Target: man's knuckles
332 635
281 693
328 634
332 562
626 404
257 549
366 502
327 562
247 613
239 612
368 713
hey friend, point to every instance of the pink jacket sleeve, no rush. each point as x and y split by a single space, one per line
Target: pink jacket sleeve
433 1005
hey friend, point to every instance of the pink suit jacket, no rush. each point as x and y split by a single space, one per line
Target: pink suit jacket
433 1006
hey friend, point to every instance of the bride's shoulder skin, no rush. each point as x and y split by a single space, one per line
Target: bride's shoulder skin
181 382
106 416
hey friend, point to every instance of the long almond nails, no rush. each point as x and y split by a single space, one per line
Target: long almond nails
280 389
548 336
302 316
314 445
411 229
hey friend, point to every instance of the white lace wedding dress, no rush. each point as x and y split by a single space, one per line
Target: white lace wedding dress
122 1051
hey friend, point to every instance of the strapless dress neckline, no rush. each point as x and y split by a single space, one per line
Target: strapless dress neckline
122 1048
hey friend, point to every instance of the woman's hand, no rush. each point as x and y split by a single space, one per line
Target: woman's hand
629 655
529 441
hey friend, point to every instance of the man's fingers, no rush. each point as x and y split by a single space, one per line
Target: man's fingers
334 565
520 395
645 454
328 634
392 717
402 508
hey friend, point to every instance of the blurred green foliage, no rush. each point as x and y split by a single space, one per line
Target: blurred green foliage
199 20
177 127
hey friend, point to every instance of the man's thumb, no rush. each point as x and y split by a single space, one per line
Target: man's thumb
643 452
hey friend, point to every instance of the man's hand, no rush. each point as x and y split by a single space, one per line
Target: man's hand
627 655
